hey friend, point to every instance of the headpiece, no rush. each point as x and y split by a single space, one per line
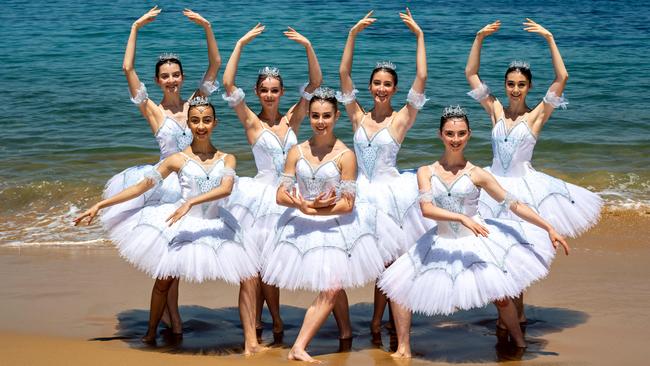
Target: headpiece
519 65
168 56
324 93
385 65
269 71
199 100
454 111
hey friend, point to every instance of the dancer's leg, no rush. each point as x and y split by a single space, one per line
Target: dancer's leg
157 306
402 317
508 317
314 318
342 315
380 302
247 311
272 297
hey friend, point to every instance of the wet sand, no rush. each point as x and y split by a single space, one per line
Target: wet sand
82 306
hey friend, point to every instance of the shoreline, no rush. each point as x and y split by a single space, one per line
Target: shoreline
85 305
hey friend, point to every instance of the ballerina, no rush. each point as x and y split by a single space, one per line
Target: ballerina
515 131
193 238
378 136
167 122
324 242
253 202
466 261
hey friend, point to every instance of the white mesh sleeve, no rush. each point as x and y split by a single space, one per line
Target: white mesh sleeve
141 95
346 98
208 87
305 95
153 176
287 181
480 93
552 99
425 196
235 98
415 99
346 188
509 201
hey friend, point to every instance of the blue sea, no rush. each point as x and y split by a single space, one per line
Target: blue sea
68 124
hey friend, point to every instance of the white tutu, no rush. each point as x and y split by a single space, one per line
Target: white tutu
320 253
445 273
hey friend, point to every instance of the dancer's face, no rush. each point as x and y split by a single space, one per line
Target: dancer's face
455 134
170 79
201 122
269 91
517 87
382 87
322 116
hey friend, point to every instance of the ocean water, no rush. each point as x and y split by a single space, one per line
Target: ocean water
68 124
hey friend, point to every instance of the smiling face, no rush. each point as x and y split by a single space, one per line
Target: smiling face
517 86
322 116
201 121
455 134
170 77
382 86
269 90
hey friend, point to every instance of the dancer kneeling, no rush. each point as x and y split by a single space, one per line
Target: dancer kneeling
325 242
467 262
193 238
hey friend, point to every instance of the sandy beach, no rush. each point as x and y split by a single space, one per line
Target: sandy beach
86 306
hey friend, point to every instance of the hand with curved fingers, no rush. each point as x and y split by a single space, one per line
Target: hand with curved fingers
489 29
407 18
557 240
363 23
325 199
148 17
475 227
254 32
532 27
297 200
195 17
89 213
293 35
178 214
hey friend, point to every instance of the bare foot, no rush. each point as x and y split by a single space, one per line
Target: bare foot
301 355
149 339
251 350
401 354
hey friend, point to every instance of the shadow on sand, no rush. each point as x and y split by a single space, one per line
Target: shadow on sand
466 336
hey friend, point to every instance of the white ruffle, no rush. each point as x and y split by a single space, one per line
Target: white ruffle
346 188
305 95
570 209
347 98
415 99
440 274
208 87
287 181
235 98
480 93
141 95
153 175
425 196
552 99
195 249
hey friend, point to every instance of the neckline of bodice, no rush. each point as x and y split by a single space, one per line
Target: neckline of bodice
371 139
516 124
182 128
210 168
281 142
449 186
322 164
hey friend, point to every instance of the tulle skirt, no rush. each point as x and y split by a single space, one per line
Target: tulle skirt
396 195
206 244
571 209
448 271
321 253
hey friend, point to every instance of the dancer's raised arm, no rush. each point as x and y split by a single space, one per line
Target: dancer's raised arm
554 96
416 98
207 85
480 91
235 95
354 110
297 112
138 91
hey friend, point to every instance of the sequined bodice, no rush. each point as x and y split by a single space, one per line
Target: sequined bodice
196 179
270 152
461 196
375 154
172 137
512 149
313 181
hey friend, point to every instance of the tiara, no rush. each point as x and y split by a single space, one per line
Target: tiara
168 56
269 71
517 64
385 65
324 93
196 101
454 111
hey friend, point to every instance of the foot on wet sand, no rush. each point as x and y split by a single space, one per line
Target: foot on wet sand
401 354
251 350
301 355
149 340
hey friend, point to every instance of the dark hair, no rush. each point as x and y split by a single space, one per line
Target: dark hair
262 77
386 69
330 99
214 112
523 70
444 120
170 61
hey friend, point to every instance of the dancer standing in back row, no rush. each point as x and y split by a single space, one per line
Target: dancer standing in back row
378 135
271 135
515 130
168 122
